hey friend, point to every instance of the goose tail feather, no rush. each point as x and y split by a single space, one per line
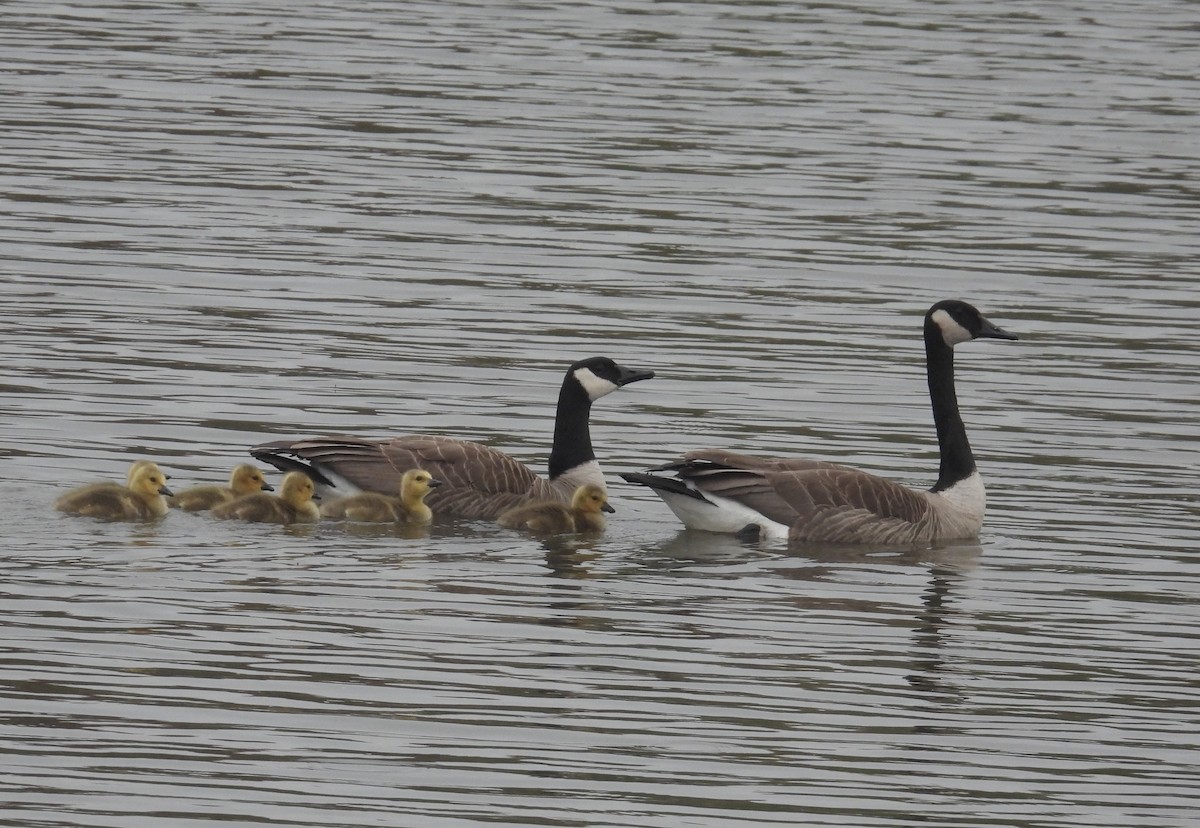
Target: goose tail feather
668 485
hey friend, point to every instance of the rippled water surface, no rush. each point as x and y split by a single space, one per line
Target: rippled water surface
225 222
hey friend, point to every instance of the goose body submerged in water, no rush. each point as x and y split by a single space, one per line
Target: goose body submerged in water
293 504
373 507
243 480
478 481
584 514
144 497
805 500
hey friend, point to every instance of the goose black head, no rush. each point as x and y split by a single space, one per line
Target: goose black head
958 321
598 376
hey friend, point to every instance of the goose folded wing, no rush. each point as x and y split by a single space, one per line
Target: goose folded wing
460 464
842 504
749 488
477 481
359 461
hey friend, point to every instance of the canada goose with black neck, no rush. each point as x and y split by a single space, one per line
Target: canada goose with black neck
806 501
478 481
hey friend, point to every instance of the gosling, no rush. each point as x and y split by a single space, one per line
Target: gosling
245 479
129 476
144 498
372 507
552 518
294 504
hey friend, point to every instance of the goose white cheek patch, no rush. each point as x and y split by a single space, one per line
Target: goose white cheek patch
595 387
952 332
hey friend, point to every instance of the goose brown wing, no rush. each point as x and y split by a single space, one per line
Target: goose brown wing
748 487
477 481
820 501
361 462
806 487
848 505
817 489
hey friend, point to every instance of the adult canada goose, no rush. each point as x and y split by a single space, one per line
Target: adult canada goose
477 481
243 480
547 517
373 507
144 498
294 504
814 501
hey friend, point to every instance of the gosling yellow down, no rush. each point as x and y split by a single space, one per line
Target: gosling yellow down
243 480
294 504
409 507
550 518
144 498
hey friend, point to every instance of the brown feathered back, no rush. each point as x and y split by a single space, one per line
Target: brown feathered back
477 481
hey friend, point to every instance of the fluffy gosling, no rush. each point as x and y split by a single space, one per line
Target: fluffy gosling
372 507
243 480
294 504
144 498
585 514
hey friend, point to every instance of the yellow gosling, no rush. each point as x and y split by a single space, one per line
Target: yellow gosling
243 480
294 504
138 464
145 498
372 507
585 514
129 476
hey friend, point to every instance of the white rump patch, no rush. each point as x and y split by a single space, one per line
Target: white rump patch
720 514
967 496
596 387
952 332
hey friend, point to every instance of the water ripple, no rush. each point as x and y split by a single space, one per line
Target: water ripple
229 223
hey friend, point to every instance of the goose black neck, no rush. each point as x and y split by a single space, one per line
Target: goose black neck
572 434
957 463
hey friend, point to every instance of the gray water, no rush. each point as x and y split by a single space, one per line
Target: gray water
227 222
